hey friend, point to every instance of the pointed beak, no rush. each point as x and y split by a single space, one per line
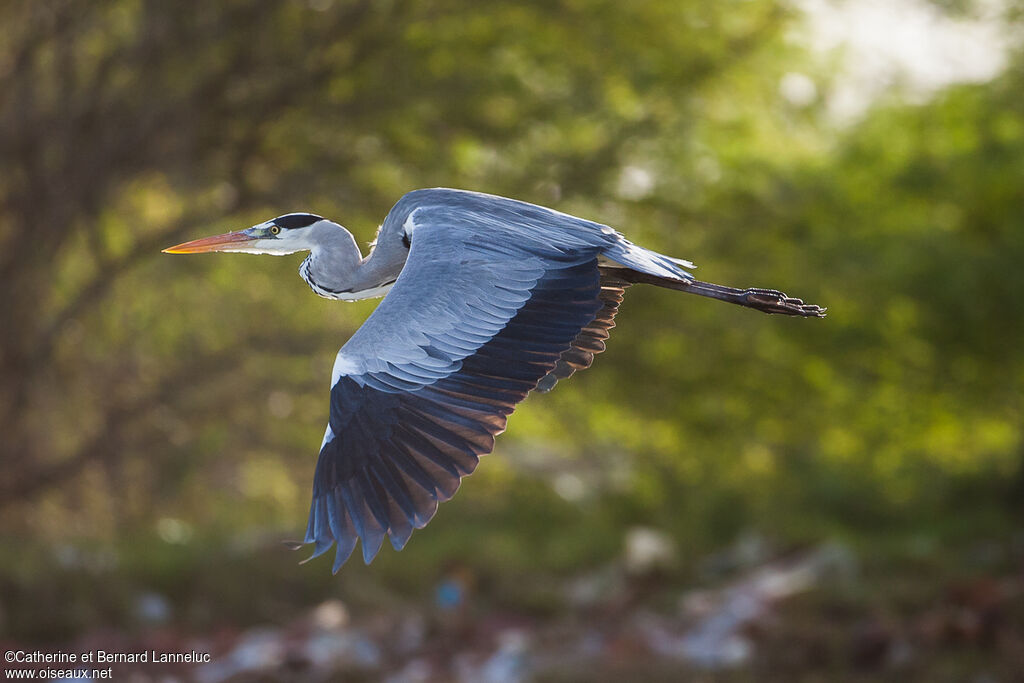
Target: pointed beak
227 242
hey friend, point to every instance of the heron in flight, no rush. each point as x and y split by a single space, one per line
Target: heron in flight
485 300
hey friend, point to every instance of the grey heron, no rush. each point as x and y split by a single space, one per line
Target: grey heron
485 300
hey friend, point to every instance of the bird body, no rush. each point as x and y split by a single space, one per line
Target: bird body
487 299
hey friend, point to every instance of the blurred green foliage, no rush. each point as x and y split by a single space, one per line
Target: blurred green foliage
175 405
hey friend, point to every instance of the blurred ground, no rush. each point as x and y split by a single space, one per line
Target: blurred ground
752 611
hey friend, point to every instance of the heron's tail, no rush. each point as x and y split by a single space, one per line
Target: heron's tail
766 300
636 264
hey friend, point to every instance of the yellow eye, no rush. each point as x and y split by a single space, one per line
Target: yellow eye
274 229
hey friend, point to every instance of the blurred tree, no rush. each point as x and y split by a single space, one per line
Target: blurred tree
904 409
125 124
100 99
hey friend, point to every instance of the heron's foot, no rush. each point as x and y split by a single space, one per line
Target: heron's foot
774 301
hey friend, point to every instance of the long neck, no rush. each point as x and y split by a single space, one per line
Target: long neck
336 269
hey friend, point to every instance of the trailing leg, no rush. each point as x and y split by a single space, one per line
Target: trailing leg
765 300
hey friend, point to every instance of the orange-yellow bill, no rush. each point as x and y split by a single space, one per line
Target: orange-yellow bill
231 240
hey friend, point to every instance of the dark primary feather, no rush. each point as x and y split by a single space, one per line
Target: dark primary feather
396 454
590 341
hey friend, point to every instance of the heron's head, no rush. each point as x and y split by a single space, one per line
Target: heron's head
285 234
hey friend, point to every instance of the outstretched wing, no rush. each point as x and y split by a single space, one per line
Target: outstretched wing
483 309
